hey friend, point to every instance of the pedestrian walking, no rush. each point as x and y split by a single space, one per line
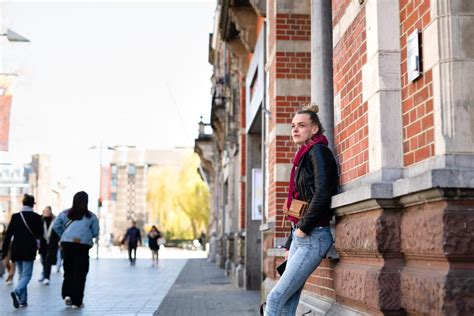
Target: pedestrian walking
132 237
313 181
8 265
76 228
23 232
47 218
153 242
202 240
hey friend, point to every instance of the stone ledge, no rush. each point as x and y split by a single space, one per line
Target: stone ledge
437 178
378 188
293 46
276 252
268 226
311 304
293 7
363 193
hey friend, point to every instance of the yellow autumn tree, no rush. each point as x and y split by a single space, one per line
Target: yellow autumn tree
178 199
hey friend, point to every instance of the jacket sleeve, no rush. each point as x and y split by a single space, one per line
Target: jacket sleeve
320 203
95 226
59 225
125 237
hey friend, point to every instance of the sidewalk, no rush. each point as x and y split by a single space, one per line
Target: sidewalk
202 289
113 287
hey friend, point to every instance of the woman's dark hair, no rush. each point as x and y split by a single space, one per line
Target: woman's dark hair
153 228
79 206
312 109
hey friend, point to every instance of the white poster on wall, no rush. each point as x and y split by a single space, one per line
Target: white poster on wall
257 194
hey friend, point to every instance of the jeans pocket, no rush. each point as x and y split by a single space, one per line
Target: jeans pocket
303 241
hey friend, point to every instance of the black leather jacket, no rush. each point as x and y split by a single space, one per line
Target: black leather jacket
316 181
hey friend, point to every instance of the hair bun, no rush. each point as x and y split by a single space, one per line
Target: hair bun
312 107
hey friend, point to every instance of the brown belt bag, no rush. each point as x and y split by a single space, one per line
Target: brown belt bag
297 208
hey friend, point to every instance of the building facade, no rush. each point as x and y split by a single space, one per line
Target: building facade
13 185
11 45
393 80
124 187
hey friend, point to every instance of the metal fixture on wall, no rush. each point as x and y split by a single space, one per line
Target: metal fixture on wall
14 37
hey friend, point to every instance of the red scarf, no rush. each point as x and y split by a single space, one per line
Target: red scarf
316 139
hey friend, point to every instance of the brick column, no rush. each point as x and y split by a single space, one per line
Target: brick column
404 244
449 60
289 77
368 144
438 276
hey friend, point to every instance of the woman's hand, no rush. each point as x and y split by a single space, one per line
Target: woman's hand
300 233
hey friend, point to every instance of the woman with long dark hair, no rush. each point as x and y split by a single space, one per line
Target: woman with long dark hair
153 236
76 227
313 181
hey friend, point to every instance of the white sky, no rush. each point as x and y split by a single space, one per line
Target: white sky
127 72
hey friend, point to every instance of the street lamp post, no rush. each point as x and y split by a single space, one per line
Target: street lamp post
99 200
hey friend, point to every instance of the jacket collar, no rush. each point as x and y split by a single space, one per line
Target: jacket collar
26 209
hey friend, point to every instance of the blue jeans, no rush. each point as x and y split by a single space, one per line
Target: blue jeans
25 270
304 257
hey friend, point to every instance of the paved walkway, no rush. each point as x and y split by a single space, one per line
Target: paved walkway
112 287
202 289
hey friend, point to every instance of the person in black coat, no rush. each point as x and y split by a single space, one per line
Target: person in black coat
47 218
26 229
132 237
153 237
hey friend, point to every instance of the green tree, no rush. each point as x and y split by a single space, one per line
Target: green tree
194 197
178 199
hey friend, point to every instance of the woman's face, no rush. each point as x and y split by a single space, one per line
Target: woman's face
47 212
302 128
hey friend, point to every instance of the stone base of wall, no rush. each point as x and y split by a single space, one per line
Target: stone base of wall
411 254
220 261
229 268
313 305
239 275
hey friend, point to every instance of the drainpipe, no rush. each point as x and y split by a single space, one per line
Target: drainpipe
321 64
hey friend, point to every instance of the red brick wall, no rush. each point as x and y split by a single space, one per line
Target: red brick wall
338 9
321 281
417 96
293 27
351 133
5 105
283 150
293 65
284 65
